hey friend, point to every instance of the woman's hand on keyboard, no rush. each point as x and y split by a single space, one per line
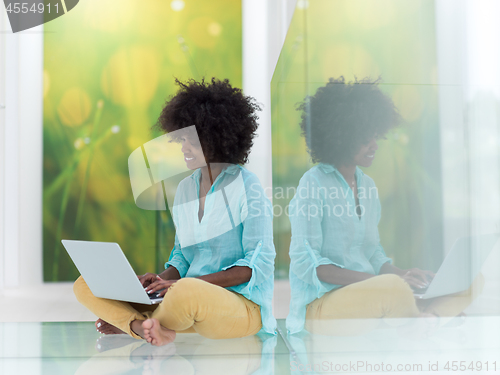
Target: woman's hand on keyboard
147 279
418 278
161 286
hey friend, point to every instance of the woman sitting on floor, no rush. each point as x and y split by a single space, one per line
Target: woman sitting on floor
341 279
219 279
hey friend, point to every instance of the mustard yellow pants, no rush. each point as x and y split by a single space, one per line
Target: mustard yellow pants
385 296
190 305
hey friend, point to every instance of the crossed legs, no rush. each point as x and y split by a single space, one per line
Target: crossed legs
190 305
356 308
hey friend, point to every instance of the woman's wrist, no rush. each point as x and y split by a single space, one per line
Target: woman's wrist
170 273
164 275
389 268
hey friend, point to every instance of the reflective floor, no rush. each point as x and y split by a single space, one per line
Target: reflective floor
76 348
470 345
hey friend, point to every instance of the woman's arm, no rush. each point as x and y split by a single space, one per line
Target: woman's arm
331 274
148 279
307 263
233 276
389 268
340 276
414 276
170 273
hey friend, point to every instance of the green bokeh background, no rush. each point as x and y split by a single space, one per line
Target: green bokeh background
393 40
109 66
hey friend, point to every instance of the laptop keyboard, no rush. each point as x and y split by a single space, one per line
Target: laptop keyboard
154 295
418 290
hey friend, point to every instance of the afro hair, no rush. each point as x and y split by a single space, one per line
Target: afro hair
225 119
340 117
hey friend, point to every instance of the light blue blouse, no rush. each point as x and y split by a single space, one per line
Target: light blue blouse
327 230
235 230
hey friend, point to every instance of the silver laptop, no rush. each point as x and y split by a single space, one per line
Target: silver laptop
461 266
107 271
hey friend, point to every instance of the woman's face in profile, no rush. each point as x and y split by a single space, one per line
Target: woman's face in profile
193 154
366 154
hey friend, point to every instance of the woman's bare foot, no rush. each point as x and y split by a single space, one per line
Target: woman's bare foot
156 334
106 328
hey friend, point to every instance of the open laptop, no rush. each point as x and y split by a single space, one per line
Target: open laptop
107 271
460 267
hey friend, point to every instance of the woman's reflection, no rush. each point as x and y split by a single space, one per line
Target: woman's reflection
121 354
340 276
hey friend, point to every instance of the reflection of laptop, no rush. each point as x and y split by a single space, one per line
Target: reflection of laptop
107 271
461 266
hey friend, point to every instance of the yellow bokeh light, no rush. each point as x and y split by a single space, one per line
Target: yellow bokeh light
135 142
108 187
79 143
199 32
177 5
74 107
108 16
131 76
214 29
105 183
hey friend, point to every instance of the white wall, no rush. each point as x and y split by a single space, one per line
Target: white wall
265 23
483 96
468 36
3 16
452 72
22 157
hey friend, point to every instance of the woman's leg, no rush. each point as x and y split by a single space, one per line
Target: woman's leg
447 307
117 313
212 311
339 311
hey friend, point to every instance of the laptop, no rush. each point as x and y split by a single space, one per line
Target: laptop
460 267
107 271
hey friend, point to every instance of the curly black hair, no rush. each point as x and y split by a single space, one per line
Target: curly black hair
225 119
340 117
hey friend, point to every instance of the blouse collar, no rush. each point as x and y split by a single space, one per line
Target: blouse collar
329 168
